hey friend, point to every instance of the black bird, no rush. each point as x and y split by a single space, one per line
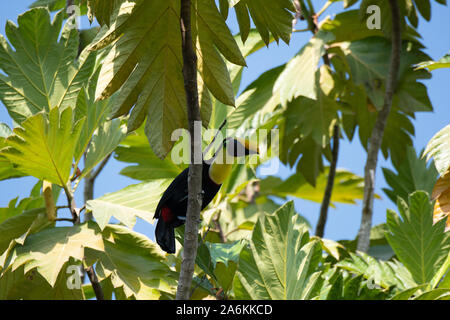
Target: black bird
171 209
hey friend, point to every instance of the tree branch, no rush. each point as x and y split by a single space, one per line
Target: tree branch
195 170
95 283
320 228
74 211
378 131
89 183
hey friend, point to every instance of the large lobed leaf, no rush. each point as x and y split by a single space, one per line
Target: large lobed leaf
348 187
418 243
7 169
136 200
299 76
413 173
41 69
281 260
21 285
44 146
383 273
146 63
135 150
135 265
50 249
270 18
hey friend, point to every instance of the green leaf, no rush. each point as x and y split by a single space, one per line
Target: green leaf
136 200
21 285
444 62
436 294
382 273
239 218
104 141
211 25
224 261
95 112
257 97
408 293
348 187
311 117
418 243
44 146
55 5
424 7
343 286
135 264
439 148
299 76
379 247
413 173
269 17
440 275
146 62
368 60
136 150
102 10
281 261
7 169
347 26
41 68
18 224
50 249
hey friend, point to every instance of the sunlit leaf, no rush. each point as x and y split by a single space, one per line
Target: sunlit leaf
50 249
44 146
418 243
41 68
279 246
139 200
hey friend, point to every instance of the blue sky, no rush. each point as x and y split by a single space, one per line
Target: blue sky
343 222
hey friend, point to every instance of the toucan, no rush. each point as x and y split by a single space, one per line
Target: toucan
172 207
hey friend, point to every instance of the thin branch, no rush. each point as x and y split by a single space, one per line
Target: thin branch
378 132
100 167
64 219
195 170
300 30
89 182
324 8
223 237
224 122
320 228
309 16
95 283
71 204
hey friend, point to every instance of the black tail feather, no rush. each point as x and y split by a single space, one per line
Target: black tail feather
165 236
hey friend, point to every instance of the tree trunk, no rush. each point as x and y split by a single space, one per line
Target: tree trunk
195 169
378 131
